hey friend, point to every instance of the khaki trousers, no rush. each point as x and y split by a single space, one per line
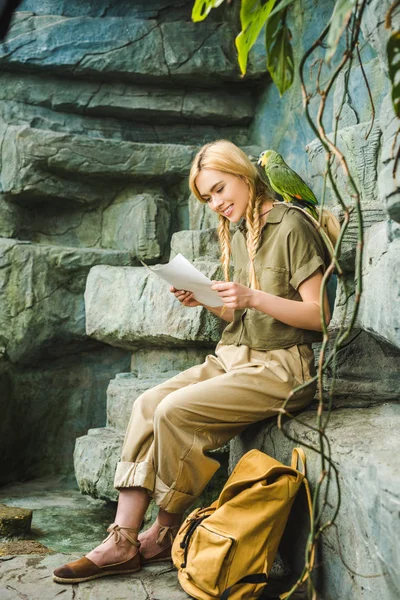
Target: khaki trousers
173 424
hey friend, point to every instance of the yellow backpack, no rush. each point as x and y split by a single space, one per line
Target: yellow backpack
228 549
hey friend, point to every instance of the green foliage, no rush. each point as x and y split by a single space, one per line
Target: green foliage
393 53
252 18
339 20
201 8
280 60
254 14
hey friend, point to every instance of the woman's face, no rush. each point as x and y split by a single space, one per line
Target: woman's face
226 194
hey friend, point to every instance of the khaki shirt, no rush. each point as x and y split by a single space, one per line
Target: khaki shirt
289 252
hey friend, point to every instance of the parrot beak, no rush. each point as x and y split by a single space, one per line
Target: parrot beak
262 160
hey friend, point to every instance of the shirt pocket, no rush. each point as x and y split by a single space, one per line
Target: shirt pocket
274 280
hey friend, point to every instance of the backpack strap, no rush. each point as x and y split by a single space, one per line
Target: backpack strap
298 454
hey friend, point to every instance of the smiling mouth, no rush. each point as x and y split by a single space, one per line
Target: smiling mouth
228 210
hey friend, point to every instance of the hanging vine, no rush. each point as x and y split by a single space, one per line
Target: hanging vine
343 31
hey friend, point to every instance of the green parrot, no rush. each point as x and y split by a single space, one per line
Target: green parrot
286 182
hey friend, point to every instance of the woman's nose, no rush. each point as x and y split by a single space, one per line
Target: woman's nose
216 202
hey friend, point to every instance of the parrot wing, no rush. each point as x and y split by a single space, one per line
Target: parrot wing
286 182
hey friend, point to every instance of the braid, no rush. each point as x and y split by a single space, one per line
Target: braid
253 232
225 243
226 157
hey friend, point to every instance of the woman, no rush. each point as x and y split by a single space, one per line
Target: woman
273 311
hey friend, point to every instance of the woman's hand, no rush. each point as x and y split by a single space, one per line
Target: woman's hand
186 298
233 294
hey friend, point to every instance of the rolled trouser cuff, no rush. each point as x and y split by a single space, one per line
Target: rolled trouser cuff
171 500
136 474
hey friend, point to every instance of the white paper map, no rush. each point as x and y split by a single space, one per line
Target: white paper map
181 274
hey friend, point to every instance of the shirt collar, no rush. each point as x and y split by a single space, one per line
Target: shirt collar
274 216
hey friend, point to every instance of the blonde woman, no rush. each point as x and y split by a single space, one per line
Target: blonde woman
272 307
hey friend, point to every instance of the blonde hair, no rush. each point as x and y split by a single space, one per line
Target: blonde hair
224 156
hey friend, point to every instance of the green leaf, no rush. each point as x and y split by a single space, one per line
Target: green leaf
280 62
201 8
393 53
283 4
252 17
339 20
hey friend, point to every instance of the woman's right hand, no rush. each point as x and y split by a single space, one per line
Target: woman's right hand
186 298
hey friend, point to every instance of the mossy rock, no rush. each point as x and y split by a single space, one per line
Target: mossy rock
14 521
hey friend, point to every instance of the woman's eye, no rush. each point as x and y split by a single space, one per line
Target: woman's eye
220 190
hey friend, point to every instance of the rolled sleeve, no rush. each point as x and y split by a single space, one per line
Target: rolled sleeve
306 251
305 271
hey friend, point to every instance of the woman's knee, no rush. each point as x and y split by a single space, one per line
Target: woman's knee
170 410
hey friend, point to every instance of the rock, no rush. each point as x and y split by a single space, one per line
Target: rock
356 383
200 215
107 225
374 30
129 308
39 164
31 577
129 49
138 103
42 304
95 460
389 185
357 105
196 244
365 446
148 215
124 8
10 218
380 312
122 393
60 396
362 159
184 132
147 362
14 522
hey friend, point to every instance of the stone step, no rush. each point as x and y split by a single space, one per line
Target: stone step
365 448
95 460
107 226
46 166
125 49
112 128
131 307
122 393
145 104
42 293
41 164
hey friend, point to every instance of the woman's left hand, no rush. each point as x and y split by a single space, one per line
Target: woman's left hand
233 294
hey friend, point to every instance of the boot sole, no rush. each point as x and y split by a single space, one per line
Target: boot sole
96 576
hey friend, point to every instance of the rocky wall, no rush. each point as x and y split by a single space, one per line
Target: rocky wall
358 557
102 107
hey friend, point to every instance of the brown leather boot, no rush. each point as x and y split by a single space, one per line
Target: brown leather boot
163 555
84 569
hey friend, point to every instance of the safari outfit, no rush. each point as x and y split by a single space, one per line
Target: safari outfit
257 363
